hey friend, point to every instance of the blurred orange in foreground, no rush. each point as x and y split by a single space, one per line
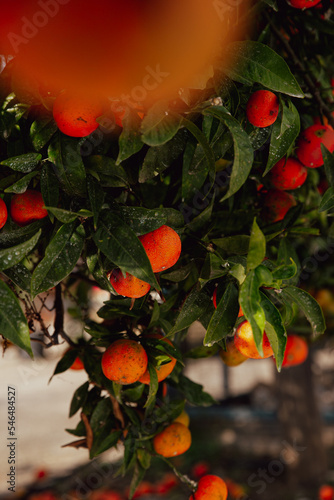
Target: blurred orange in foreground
135 49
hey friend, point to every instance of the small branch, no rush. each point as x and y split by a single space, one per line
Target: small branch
308 80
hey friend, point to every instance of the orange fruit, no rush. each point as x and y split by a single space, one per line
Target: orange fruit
309 145
163 247
296 351
105 495
303 4
276 204
183 418
76 116
262 108
232 356
3 213
326 492
173 440
27 207
124 361
288 174
163 370
130 286
77 364
210 488
244 342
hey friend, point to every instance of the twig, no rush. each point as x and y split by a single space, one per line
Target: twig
308 80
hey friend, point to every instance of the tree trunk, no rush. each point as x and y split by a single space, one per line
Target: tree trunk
299 416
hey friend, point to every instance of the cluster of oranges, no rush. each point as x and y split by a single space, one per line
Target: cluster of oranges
288 173
242 346
163 249
25 208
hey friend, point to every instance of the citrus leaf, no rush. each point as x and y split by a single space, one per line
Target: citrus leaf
224 318
194 306
275 329
13 323
61 256
309 306
23 163
254 62
257 247
9 257
159 126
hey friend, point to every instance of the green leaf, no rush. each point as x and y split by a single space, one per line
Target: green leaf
79 398
107 442
23 163
254 62
65 362
143 220
101 424
153 388
194 306
9 257
96 197
250 302
194 393
67 216
13 324
64 153
243 150
327 201
159 158
137 477
202 352
17 236
130 139
21 185
179 274
61 256
20 276
49 185
210 165
283 136
309 306
285 272
110 174
235 245
275 329
224 318
328 158
95 267
41 132
159 126
257 247
122 247
144 458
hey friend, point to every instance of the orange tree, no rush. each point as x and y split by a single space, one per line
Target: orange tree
200 165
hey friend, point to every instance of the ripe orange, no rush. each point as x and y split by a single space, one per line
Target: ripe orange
76 116
173 440
130 286
77 364
309 145
183 418
288 174
244 342
163 370
27 207
303 4
163 247
262 108
3 213
296 351
124 361
210 488
326 492
232 356
276 204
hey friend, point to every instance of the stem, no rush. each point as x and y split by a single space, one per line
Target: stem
308 80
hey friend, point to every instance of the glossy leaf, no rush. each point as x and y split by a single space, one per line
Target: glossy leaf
79 398
110 174
23 163
257 247
243 150
61 256
328 158
194 306
13 324
275 329
143 220
11 256
254 62
120 244
22 184
20 276
309 306
41 132
65 155
159 126
224 317
130 139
